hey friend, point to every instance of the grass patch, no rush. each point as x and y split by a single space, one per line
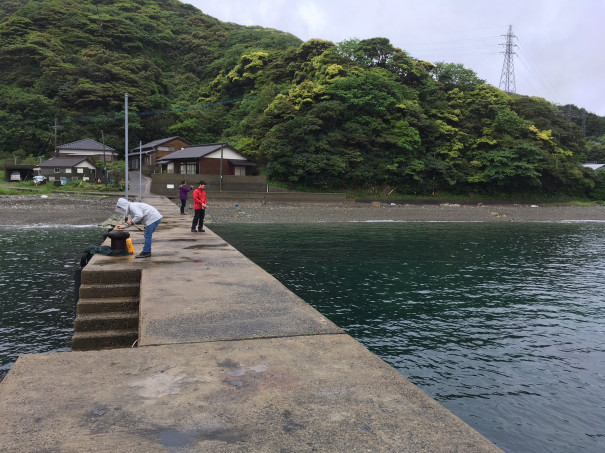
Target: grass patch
70 186
10 191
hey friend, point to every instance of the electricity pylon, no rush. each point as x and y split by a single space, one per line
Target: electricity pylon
507 79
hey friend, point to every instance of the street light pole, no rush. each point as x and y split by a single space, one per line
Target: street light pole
104 160
140 171
126 139
221 180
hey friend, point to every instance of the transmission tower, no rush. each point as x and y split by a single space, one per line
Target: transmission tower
507 79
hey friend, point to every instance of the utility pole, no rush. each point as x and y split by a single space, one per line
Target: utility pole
104 161
56 127
507 79
220 184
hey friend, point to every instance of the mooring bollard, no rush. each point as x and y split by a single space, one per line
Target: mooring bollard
118 239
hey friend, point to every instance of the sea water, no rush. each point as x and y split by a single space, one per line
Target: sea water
502 323
37 287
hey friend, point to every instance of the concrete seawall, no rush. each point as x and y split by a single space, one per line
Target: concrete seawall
227 360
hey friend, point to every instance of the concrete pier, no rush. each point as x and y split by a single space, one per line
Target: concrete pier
227 360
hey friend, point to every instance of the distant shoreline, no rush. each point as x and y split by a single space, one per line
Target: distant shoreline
69 209
55 209
305 212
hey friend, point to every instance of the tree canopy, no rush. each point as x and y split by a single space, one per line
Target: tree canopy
360 114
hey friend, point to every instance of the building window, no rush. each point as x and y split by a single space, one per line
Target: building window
57 170
80 170
189 168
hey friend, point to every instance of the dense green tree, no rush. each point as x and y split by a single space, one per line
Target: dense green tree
356 114
452 76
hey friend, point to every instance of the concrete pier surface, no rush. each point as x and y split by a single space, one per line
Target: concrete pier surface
227 360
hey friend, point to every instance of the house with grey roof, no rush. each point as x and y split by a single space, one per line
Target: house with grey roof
57 168
211 159
150 152
88 148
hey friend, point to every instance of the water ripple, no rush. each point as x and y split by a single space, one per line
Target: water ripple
37 288
501 323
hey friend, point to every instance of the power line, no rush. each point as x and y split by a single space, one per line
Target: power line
538 76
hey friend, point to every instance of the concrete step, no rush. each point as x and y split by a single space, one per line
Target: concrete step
92 322
109 339
109 290
108 305
93 274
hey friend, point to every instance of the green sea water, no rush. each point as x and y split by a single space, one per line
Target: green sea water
503 324
37 287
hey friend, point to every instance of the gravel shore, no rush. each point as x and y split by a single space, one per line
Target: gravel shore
257 212
56 209
67 209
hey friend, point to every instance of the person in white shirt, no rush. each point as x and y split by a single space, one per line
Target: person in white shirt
140 213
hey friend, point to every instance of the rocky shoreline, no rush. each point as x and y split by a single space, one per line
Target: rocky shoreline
69 209
55 209
257 212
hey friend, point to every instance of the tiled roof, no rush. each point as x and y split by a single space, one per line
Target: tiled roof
192 152
62 162
159 142
88 144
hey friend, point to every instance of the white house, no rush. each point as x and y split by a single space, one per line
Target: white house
212 159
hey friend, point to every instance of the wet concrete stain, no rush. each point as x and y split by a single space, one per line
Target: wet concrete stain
229 436
289 423
174 438
245 376
204 246
228 364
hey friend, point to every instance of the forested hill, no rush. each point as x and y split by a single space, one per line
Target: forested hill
321 115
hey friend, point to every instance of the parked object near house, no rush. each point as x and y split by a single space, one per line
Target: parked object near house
211 159
64 168
38 180
150 152
88 148
18 172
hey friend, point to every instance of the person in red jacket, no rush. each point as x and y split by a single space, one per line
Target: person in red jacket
199 205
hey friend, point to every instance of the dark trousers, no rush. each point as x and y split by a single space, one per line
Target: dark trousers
198 219
183 203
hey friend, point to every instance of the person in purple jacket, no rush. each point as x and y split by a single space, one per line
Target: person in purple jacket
184 194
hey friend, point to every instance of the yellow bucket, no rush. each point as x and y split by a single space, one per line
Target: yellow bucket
129 245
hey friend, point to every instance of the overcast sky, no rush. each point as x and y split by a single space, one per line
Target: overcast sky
560 53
